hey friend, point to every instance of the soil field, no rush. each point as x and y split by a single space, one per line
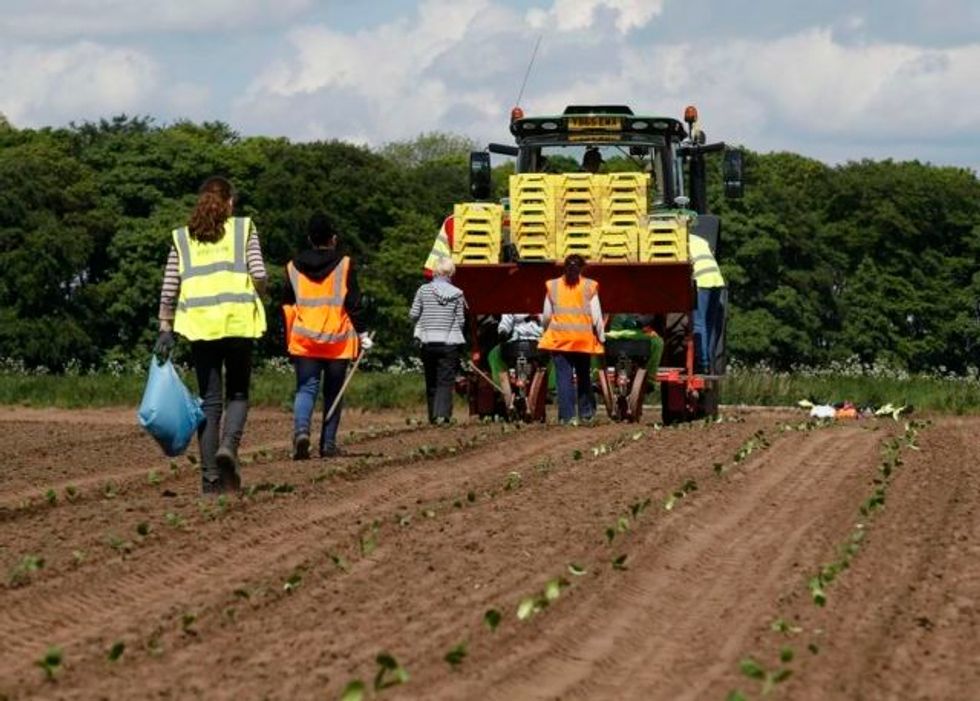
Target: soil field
754 555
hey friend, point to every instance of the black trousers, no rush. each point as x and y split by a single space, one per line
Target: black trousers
234 357
440 361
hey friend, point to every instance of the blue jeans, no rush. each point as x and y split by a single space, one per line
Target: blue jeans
706 324
308 373
574 392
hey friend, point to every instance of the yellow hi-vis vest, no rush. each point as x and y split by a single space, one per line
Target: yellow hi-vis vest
217 298
442 247
706 271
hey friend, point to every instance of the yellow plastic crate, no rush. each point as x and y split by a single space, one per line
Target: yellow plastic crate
665 239
577 239
617 244
477 232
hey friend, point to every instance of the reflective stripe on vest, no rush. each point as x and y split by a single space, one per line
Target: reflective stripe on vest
217 297
570 328
318 324
706 271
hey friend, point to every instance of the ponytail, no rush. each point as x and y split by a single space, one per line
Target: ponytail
207 222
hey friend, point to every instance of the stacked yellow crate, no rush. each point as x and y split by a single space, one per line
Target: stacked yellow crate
624 211
532 215
476 232
664 239
579 213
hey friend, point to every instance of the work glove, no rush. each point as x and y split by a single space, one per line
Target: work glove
366 342
165 343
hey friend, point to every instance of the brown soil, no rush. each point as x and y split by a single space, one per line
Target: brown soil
293 590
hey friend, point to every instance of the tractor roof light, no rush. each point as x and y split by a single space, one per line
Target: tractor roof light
690 114
516 113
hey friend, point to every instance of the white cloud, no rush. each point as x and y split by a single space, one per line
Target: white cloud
78 81
573 15
66 18
391 82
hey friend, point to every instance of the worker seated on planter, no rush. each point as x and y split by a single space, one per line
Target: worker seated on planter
518 334
510 329
635 327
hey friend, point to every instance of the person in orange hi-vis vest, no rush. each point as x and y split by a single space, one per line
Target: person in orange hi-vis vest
573 332
325 329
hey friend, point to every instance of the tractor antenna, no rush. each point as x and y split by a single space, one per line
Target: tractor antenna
528 71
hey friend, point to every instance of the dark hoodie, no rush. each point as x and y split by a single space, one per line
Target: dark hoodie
317 264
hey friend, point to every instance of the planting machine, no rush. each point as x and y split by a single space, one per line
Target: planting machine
630 219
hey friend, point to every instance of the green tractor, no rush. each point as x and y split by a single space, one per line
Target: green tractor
627 192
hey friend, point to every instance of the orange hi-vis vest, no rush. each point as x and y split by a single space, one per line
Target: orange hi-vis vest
570 328
317 325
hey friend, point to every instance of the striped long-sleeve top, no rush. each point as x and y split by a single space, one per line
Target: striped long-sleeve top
439 313
171 277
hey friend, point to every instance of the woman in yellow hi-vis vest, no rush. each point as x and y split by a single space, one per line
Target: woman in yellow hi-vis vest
573 332
210 296
324 331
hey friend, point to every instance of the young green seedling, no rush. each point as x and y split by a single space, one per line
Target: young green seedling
293 582
187 623
174 520
21 573
529 606
339 562
369 539
118 544
553 587
491 619
71 492
781 626
154 478
116 651
456 655
51 662
51 497
354 691
390 673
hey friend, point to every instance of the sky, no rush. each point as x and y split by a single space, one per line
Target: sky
836 80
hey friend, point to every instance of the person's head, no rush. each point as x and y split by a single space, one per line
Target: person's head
573 267
592 160
215 203
444 268
321 231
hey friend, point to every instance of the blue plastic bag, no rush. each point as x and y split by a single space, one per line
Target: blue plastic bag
168 411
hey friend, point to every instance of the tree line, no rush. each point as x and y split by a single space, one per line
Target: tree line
874 260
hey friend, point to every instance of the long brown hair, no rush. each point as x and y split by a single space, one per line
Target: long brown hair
207 221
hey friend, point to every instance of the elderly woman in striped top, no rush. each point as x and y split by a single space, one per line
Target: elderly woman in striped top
439 313
210 296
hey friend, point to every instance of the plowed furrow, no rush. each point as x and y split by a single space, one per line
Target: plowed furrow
146 590
652 633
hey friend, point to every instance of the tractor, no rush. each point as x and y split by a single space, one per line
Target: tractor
625 191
